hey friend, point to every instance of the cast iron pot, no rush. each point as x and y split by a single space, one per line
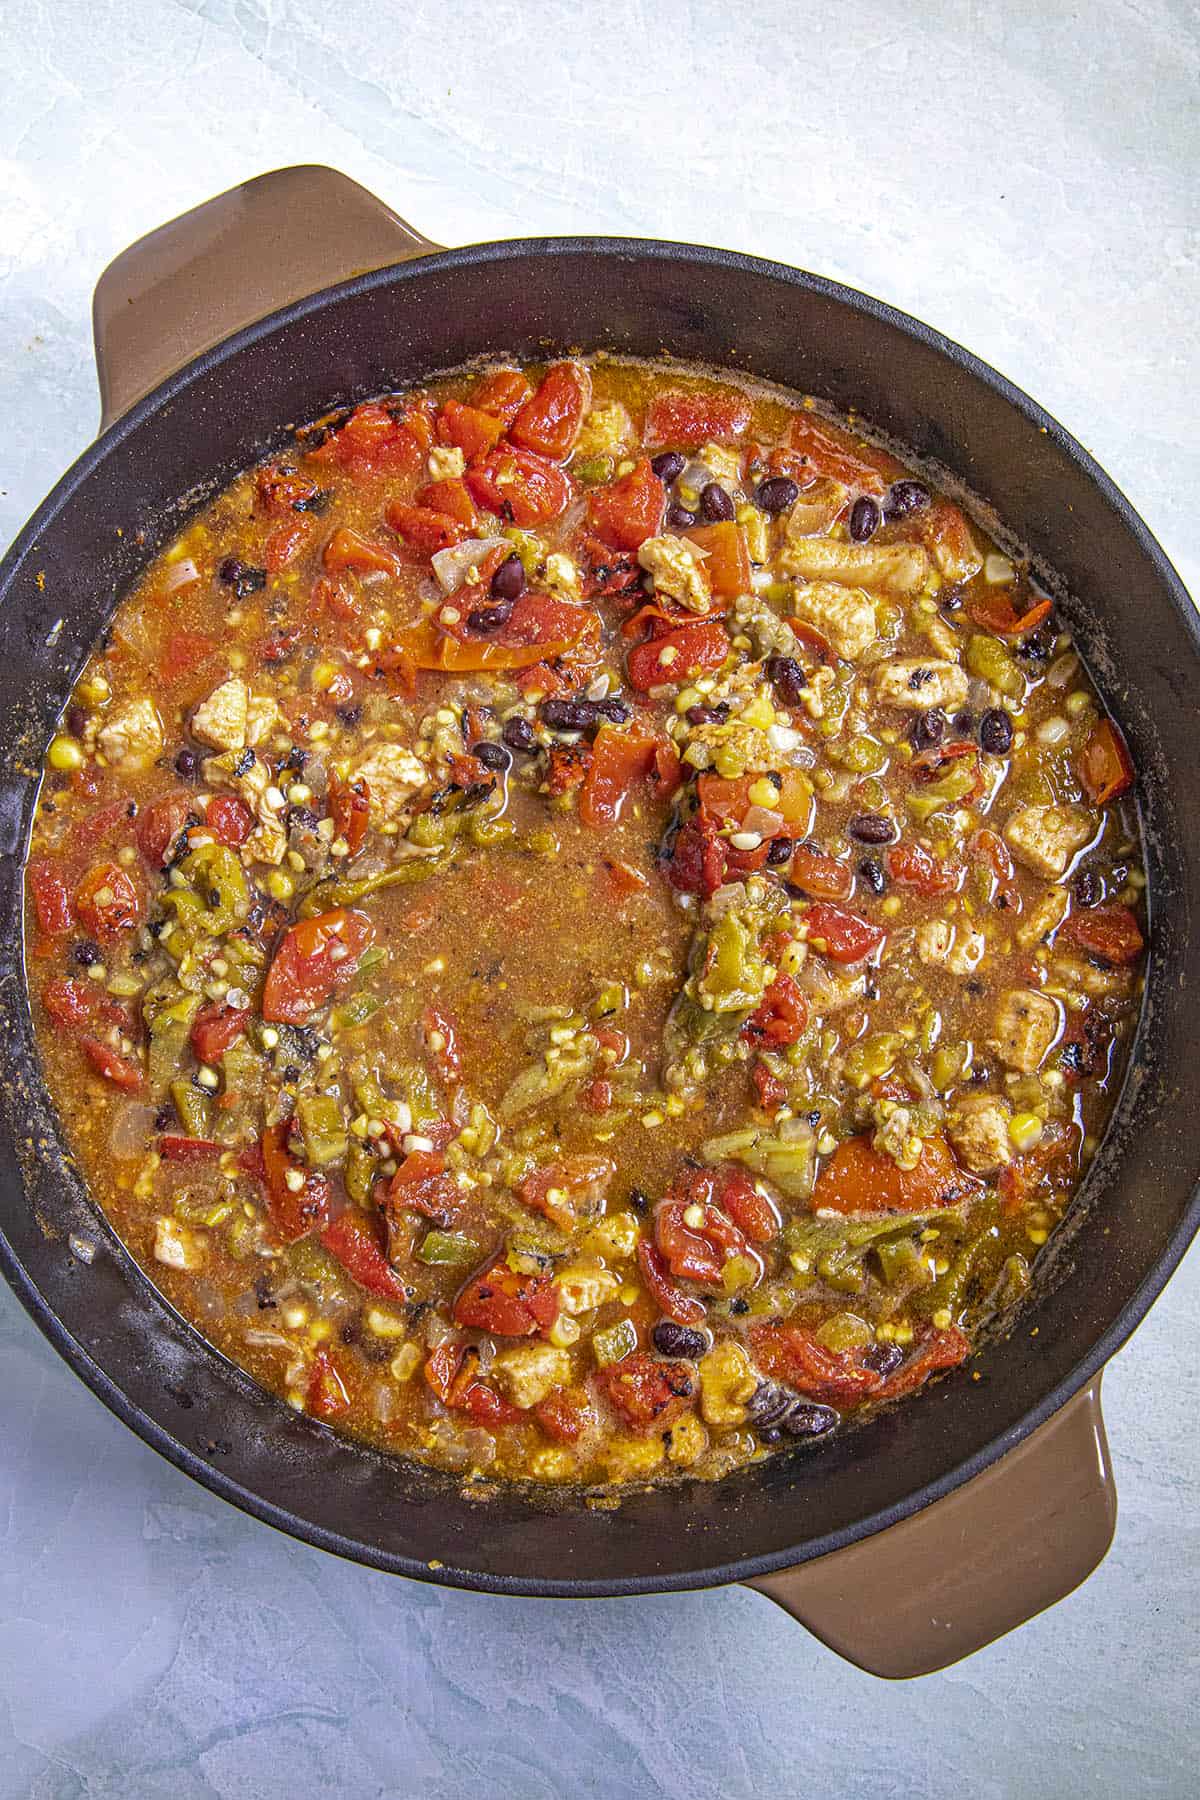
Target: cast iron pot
903 1544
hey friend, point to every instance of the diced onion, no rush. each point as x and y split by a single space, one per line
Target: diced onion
764 822
452 566
180 575
997 570
132 1130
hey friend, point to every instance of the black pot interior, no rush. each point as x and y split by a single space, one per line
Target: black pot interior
1132 618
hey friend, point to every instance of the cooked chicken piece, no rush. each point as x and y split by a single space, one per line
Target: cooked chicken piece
957 948
561 577
918 683
727 1380
446 461
1045 838
724 465
393 775
132 738
943 637
263 719
900 569
1084 977
1025 1026
243 773
527 1372
977 1126
605 431
955 551
844 615
1043 917
583 1285
221 720
178 1246
895 1137
678 570
818 506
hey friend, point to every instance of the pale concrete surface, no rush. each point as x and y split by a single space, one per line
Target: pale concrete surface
1022 175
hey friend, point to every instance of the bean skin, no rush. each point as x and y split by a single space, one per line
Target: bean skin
485 619
871 828
865 519
492 756
668 466
787 678
928 729
508 583
518 734
905 497
715 503
680 518
671 1339
1088 888
780 852
996 732
776 495
872 873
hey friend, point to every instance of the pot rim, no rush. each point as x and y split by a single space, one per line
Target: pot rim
158 1436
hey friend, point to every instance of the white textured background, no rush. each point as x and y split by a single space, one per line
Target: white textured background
1023 175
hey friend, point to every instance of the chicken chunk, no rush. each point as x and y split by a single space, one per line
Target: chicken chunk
243 773
917 683
978 1128
724 465
583 1285
177 1246
393 775
844 615
561 577
678 570
529 1371
133 737
446 461
1043 917
727 1380
1025 1026
263 718
900 569
957 948
605 431
221 720
1045 838
1084 977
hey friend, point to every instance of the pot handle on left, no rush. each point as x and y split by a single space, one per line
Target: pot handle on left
230 262
974 1565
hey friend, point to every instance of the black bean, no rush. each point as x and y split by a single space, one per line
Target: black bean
776 1409
996 731
164 1118
86 953
639 1200
871 828
872 873
964 724
668 465
76 721
671 1339
1088 887
810 1420
701 715
187 764
518 734
350 715
241 577
264 1293
492 756
679 517
927 729
612 709
865 518
780 852
905 497
1039 645
775 495
787 678
508 583
885 1359
715 503
569 715
486 619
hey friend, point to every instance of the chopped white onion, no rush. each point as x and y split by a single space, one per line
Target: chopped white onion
762 820
997 570
783 737
132 1130
451 566
180 575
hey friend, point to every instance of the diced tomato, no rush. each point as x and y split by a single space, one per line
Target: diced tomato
910 865
832 1377
930 765
106 901
452 497
678 656
683 1308
51 899
688 417
781 1016
565 1414
424 530
68 1002
349 808
422 1183
312 959
1105 765
647 1390
474 432
215 1029
285 544
727 801
519 485
507 1302
629 510
502 393
846 937
818 651
327 1394
728 557
549 422
441 1041
989 848
353 1238
860 1179
161 824
829 451
372 440
752 1213
943 1348
451 1371
229 819
282 489
994 611
294 1211
348 549
698 860
619 760
770 1089
185 652
277 646
1110 932
173 1147
122 1071
626 880
568 767
609 571
573 1181
696 1253
543 620
822 876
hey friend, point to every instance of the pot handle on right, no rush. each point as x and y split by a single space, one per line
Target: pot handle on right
228 263
962 1572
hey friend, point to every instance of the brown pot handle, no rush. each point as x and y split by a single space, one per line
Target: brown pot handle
991 1555
232 261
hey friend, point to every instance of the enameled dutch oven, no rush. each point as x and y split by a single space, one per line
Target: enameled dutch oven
931 1530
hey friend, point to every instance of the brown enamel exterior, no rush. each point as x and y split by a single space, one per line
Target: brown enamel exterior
901 1601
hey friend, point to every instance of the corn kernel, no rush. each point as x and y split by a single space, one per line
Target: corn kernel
1025 1129
65 753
